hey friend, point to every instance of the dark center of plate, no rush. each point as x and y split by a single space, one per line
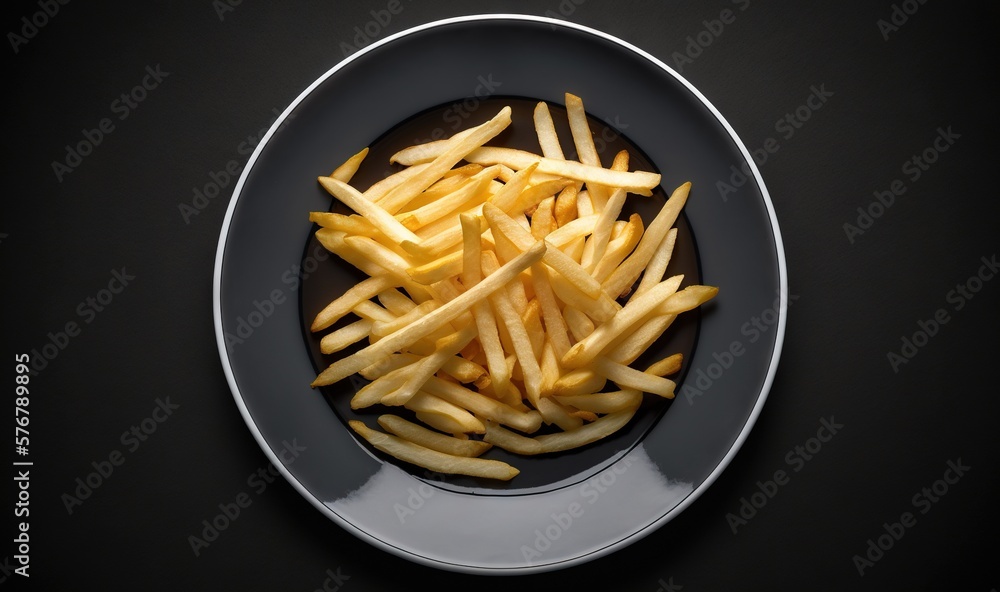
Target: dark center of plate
334 276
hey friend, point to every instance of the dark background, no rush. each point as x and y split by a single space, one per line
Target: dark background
854 302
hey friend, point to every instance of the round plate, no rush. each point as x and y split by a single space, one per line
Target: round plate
434 80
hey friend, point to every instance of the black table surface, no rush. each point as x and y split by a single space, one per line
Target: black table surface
884 185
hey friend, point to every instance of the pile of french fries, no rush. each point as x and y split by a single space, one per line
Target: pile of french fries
503 294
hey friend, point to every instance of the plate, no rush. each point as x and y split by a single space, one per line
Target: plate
271 277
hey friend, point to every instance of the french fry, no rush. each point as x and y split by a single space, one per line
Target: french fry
426 403
667 366
579 382
382 328
386 365
440 269
374 213
346 171
377 192
343 305
618 249
627 348
511 441
553 413
599 238
586 151
591 346
367 309
353 224
372 393
432 459
627 377
587 434
623 277
422 436
653 273
602 403
345 336
565 208
545 129
578 323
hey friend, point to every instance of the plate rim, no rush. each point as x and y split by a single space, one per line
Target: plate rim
612 547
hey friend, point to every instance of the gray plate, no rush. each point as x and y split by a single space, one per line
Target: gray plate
566 508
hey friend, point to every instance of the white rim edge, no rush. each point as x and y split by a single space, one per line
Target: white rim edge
655 525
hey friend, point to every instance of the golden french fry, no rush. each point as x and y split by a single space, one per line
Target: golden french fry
367 309
377 192
372 393
549 365
579 382
382 328
427 404
353 224
584 205
627 348
372 212
587 434
510 441
463 369
565 208
627 377
619 248
570 231
346 171
553 413
667 366
591 346
336 310
545 129
532 319
602 403
579 324
426 152
422 436
598 241
387 364
433 459
555 323
583 139
543 220
687 299
440 269
623 277
345 336
653 273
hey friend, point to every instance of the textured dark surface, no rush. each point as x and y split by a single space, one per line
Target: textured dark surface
855 296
